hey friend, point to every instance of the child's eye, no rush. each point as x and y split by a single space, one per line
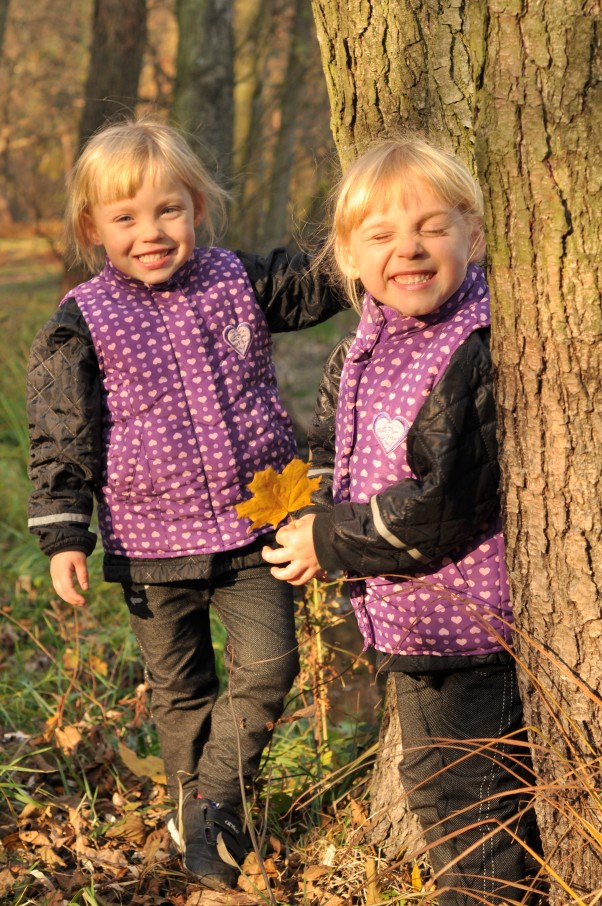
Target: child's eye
381 237
123 218
432 232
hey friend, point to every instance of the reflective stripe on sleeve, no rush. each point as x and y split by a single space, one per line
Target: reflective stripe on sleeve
384 532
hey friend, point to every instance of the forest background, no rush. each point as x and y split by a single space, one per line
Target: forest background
515 88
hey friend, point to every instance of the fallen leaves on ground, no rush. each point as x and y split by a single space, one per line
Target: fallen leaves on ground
56 844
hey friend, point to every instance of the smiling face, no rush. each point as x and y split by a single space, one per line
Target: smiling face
413 253
150 235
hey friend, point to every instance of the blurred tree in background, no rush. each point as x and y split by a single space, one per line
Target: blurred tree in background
119 33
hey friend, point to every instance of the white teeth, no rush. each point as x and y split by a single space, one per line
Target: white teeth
151 258
411 279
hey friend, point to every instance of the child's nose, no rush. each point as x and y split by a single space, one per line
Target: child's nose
409 246
151 229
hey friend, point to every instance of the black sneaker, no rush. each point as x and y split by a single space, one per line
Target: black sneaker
214 843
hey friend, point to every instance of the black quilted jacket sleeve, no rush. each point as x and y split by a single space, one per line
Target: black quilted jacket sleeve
452 449
322 430
292 293
63 403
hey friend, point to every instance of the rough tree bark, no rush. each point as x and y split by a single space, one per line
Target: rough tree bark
539 142
406 65
515 89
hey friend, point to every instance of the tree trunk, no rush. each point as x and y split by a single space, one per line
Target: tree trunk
254 27
519 84
393 827
539 140
203 102
407 65
4 4
118 40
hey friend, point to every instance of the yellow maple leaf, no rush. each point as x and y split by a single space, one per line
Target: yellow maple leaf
276 495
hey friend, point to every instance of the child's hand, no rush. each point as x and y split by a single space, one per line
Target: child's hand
63 566
297 552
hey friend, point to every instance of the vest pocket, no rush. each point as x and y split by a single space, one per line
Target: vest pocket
126 460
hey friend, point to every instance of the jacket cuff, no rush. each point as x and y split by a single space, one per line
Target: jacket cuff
69 538
322 533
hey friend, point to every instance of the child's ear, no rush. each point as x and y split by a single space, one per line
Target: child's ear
92 234
347 263
199 210
478 245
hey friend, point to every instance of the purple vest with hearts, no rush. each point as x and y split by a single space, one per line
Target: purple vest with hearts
457 605
191 410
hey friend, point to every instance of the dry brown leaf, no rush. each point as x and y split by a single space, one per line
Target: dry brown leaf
224 898
109 859
68 739
359 815
7 881
151 766
276 845
35 837
50 857
252 876
416 878
131 828
70 659
276 495
156 847
315 871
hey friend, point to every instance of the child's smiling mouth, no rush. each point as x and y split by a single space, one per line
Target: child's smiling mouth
413 279
154 257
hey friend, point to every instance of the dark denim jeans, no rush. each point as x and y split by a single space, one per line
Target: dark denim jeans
209 740
466 794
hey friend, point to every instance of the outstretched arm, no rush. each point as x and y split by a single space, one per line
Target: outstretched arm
292 293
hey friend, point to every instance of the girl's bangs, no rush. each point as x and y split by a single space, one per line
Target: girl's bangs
121 176
375 192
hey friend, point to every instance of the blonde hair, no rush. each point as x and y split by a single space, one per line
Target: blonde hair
389 170
113 165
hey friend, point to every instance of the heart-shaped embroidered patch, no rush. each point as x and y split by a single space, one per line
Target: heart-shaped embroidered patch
239 338
390 432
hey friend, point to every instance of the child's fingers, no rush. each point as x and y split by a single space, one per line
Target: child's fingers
66 590
296 573
81 574
276 555
286 574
